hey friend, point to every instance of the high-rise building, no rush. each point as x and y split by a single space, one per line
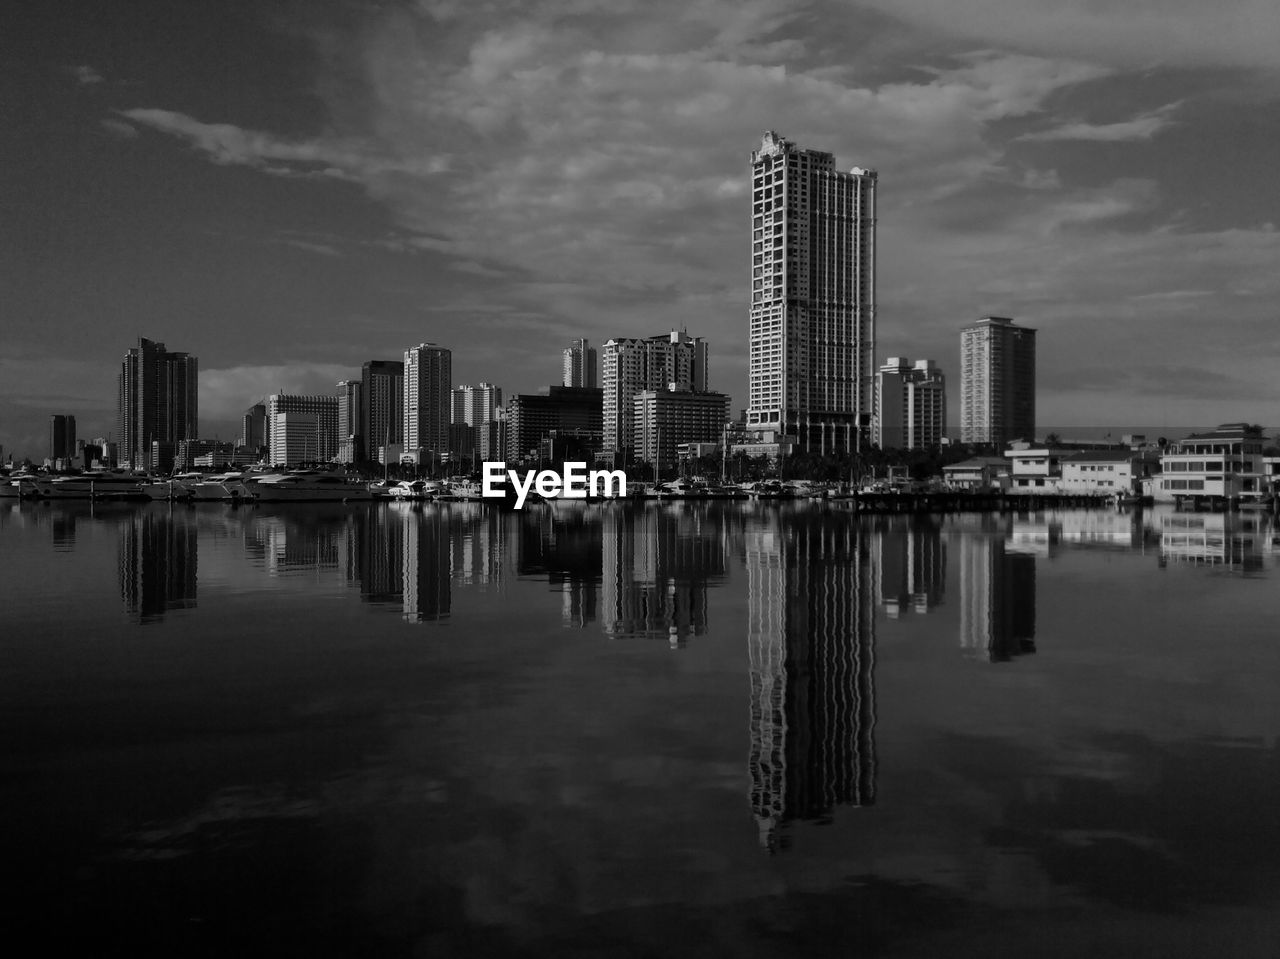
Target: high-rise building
669 361
997 382
349 417
157 401
664 419
428 369
301 429
580 364
911 404
473 409
253 427
813 296
62 436
382 410
564 410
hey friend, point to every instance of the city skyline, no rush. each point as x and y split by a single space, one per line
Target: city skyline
226 179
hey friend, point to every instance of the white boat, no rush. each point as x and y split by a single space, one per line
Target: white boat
96 484
221 487
173 488
313 486
408 490
21 485
467 490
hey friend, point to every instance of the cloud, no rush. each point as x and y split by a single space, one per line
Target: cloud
116 128
1139 128
86 75
227 144
226 393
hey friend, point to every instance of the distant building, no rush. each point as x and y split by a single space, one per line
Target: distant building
253 428
301 429
665 419
813 296
473 409
1103 471
1224 465
157 401
350 412
428 370
382 405
187 452
911 404
978 473
669 361
565 410
580 365
997 382
62 437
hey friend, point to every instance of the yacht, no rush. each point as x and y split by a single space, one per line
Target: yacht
221 487
177 487
95 484
21 485
309 486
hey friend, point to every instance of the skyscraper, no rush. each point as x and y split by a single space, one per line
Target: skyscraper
813 296
911 404
350 394
157 401
428 369
475 407
580 364
382 411
997 381
669 361
62 436
301 429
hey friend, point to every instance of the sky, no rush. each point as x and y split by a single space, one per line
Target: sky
288 189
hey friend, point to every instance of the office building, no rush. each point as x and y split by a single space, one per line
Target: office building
253 427
580 365
665 419
62 437
565 410
911 404
350 394
382 407
473 409
157 401
669 361
301 429
813 297
428 370
997 382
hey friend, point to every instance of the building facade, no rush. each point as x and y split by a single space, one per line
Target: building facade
473 409
301 429
253 426
666 419
382 407
350 396
157 401
813 297
670 361
428 371
62 437
1223 466
565 410
580 365
997 382
911 404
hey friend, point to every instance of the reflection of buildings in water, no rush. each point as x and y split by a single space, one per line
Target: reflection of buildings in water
811 642
478 534
1245 540
157 564
1034 534
563 543
1101 529
657 564
426 564
288 544
997 597
375 554
913 563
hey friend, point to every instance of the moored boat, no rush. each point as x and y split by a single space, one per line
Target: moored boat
309 486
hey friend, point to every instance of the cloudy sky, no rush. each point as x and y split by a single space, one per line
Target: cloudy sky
288 189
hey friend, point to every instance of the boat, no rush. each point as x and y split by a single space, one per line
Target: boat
95 484
313 486
770 489
21 485
177 487
406 490
222 487
467 490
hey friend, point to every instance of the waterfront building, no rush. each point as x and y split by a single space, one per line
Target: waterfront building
301 429
428 370
382 406
565 410
669 361
976 474
157 401
665 419
1117 472
579 365
62 437
1224 465
350 413
813 297
911 404
997 382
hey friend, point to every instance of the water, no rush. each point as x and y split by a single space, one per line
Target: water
648 730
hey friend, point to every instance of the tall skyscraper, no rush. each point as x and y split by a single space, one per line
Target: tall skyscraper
62 436
669 361
350 395
157 401
997 382
580 364
813 296
382 413
475 408
911 404
428 369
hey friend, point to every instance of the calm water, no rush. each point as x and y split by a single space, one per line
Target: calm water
648 730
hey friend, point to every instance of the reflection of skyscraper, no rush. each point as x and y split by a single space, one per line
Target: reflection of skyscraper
913 563
426 566
377 557
657 564
478 538
997 598
157 564
811 641
565 546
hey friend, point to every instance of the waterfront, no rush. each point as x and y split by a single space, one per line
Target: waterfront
640 730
